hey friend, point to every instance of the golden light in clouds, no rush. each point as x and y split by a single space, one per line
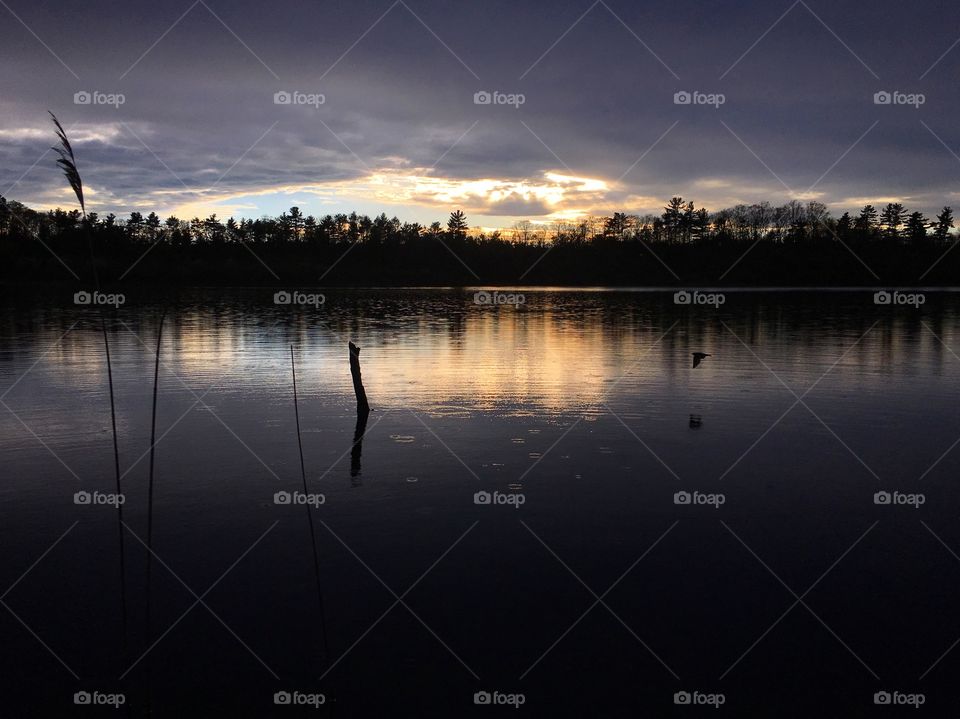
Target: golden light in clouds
549 196
482 195
552 196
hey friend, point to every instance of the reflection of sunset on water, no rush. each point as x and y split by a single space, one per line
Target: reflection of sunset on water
553 353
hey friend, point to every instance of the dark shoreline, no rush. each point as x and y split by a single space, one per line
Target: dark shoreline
435 264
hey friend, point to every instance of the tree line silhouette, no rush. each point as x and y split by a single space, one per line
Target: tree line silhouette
760 244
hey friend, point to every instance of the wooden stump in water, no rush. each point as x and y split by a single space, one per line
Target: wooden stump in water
363 411
363 408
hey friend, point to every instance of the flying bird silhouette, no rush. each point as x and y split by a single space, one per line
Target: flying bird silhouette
698 357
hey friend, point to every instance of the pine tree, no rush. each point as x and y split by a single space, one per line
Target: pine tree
892 218
867 220
944 224
916 229
457 224
843 225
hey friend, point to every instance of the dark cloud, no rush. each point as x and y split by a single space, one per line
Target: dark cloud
798 101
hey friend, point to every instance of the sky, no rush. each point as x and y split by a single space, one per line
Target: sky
173 107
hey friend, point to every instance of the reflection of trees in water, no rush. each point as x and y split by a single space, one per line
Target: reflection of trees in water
559 350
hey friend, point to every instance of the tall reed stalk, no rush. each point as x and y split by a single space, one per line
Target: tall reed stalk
313 539
68 164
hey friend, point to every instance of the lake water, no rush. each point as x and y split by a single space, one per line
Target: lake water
582 589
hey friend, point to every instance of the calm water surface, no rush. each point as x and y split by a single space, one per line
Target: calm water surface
599 595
